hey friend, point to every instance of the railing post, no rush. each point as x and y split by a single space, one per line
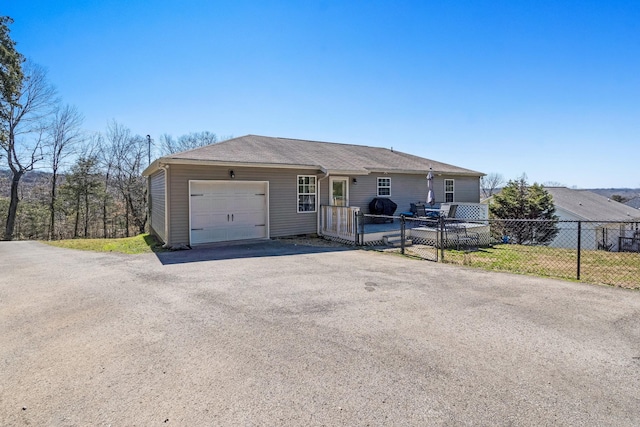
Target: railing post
360 228
402 233
579 250
356 219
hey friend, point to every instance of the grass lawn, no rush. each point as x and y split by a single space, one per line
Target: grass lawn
142 243
600 267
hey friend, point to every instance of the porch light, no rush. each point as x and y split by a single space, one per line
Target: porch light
355 181
232 174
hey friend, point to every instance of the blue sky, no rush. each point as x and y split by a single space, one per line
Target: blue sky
546 88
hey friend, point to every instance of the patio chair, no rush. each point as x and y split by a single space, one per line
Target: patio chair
449 211
425 219
461 237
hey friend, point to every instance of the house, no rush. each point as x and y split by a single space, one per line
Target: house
257 187
605 221
634 203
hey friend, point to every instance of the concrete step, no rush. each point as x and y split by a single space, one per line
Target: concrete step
395 240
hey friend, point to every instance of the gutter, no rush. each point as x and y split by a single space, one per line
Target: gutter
155 165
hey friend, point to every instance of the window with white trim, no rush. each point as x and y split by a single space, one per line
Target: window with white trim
306 193
448 190
384 187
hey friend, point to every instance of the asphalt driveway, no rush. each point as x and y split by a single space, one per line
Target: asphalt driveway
323 337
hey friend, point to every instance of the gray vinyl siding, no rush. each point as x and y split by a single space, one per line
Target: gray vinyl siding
405 189
284 219
466 189
157 204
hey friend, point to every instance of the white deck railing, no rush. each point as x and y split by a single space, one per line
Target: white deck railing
339 222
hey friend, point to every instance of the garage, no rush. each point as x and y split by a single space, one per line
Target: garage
221 211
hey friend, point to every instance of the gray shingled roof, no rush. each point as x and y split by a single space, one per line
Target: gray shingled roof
591 206
327 156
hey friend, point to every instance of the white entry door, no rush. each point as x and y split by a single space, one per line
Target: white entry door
227 210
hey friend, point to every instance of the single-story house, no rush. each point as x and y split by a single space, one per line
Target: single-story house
605 221
258 187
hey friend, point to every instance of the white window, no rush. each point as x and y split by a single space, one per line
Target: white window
306 193
448 190
384 187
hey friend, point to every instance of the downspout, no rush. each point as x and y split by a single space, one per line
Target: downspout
326 175
167 214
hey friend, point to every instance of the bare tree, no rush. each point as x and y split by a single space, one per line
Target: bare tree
23 131
553 184
131 182
63 133
82 190
490 183
169 145
125 155
107 159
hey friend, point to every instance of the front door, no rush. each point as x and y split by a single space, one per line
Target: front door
339 191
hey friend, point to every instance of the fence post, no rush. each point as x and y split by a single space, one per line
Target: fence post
402 233
360 228
441 239
357 227
579 250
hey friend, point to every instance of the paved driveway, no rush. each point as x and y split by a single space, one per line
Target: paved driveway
327 338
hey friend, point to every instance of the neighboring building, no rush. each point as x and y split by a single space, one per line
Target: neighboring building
634 203
257 187
606 220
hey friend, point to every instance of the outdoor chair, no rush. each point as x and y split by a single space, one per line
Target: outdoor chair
425 219
461 237
449 211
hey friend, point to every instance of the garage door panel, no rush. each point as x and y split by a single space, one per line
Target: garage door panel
205 220
222 210
241 233
247 202
208 235
247 218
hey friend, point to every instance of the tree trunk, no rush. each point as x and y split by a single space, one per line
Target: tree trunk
86 214
52 207
104 205
75 227
126 216
13 206
104 218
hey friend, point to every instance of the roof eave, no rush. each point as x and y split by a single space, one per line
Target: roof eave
350 172
425 171
626 218
199 162
154 166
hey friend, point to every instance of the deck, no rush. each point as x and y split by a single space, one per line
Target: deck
426 235
345 224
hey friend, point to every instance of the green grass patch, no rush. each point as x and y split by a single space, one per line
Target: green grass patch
600 267
140 244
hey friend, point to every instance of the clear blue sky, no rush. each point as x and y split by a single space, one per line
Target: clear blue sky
546 88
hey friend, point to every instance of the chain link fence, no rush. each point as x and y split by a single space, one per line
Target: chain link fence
601 252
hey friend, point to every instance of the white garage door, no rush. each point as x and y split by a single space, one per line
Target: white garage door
227 210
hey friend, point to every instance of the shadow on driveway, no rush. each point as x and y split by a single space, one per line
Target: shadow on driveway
224 251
